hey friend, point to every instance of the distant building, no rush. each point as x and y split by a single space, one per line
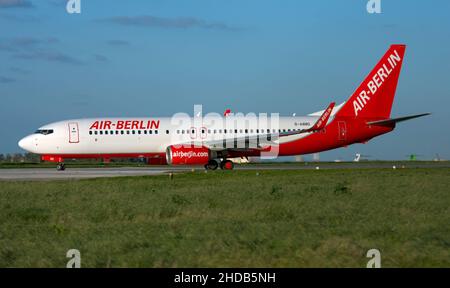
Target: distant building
316 157
299 158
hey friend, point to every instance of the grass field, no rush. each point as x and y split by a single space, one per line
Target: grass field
307 218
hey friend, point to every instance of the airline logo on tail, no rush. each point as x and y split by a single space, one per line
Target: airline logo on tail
378 78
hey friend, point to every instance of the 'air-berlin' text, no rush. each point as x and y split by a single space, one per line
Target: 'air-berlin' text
376 81
125 124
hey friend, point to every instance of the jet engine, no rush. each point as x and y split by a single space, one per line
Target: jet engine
191 155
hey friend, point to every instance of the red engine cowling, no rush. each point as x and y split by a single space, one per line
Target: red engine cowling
187 155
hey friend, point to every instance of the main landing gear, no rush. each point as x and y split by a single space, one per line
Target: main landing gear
61 167
224 165
212 165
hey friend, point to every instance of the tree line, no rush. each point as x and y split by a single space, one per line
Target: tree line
19 158
34 158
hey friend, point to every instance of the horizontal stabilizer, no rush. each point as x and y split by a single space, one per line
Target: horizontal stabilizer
390 122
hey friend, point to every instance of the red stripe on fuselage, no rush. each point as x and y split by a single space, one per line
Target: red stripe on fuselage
61 157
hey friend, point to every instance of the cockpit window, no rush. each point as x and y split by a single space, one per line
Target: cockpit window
44 131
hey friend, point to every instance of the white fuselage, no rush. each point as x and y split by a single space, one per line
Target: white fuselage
148 135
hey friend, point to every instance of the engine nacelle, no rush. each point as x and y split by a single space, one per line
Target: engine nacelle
187 155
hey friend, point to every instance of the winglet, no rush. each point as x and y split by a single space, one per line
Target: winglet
322 122
227 112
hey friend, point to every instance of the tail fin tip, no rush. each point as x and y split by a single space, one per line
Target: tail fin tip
375 95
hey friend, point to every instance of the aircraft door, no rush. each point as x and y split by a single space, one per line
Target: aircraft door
342 130
74 133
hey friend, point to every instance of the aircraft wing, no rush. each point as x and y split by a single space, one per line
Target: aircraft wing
263 140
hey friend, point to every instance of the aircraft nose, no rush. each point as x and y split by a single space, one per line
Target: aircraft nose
25 143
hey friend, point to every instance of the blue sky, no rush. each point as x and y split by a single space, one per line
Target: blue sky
156 58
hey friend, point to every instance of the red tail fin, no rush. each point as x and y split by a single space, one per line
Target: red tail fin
374 97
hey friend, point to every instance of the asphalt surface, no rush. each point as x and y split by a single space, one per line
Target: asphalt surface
15 174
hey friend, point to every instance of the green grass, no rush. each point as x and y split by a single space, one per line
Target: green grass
305 218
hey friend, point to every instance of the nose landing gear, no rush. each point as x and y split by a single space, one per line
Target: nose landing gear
61 167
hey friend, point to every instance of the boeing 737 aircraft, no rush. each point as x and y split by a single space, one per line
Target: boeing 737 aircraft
199 141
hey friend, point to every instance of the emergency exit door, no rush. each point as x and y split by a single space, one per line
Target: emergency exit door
74 134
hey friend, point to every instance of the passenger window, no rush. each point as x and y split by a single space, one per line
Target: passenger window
101 132
128 132
167 131
139 131
121 132
145 131
156 131
106 132
150 131
90 132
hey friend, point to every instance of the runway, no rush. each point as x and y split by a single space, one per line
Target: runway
16 174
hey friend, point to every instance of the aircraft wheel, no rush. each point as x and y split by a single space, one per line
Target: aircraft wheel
227 165
212 165
61 167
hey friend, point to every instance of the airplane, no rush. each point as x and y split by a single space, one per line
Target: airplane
365 115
